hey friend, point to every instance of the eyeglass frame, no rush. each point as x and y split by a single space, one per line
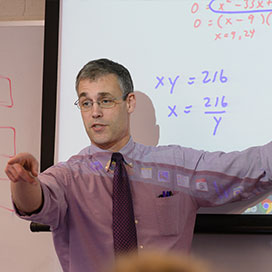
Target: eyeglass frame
76 103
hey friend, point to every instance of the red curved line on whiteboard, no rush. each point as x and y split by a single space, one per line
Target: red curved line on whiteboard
4 179
6 208
14 142
10 93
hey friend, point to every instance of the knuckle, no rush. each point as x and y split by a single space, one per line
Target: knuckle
18 173
7 169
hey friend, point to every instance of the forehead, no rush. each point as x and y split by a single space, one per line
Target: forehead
107 84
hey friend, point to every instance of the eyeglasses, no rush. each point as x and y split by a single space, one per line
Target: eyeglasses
86 104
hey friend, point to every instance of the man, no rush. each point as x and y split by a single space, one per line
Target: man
168 184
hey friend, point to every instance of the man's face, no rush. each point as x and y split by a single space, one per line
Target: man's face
107 128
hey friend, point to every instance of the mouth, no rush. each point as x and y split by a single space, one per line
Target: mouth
98 127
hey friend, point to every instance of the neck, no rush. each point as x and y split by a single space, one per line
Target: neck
114 147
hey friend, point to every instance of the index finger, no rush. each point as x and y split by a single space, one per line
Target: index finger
27 161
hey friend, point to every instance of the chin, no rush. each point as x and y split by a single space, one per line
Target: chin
101 143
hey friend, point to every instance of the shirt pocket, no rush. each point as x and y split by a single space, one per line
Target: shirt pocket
167 213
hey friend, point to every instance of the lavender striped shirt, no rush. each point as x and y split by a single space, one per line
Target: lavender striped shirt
78 205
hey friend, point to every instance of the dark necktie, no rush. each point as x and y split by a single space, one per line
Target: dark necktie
124 230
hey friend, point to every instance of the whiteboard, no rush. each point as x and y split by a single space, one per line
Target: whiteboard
21 60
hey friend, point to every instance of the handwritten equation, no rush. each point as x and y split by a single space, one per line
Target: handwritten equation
215 106
233 19
204 77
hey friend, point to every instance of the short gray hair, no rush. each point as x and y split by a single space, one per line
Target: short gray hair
101 67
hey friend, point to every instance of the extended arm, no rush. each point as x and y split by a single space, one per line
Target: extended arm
26 191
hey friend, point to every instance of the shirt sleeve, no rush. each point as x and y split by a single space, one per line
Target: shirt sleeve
217 178
54 182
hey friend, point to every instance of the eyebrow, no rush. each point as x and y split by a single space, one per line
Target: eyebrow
82 94
101 94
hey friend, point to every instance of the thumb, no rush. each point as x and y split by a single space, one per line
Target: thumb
34 168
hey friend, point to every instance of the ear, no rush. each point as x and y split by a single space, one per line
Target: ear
131 102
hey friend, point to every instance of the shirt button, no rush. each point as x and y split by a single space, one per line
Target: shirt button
136 221
141 246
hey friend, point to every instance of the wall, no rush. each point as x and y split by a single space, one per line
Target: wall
14 10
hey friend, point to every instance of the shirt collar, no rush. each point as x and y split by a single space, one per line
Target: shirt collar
125 150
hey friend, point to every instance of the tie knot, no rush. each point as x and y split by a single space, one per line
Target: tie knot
117 157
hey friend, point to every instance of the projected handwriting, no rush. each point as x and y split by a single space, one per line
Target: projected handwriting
240 7
234 35
208 77
171 81
204 78
213 106
235 20
215 112
221 192
172 111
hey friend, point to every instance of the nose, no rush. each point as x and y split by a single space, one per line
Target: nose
96 111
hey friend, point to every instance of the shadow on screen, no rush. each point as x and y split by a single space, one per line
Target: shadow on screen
144 129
